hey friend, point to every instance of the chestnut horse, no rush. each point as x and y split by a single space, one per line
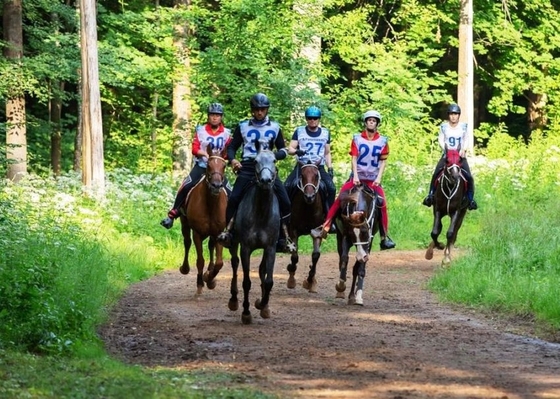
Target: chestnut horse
449 200
257 226
307 213
357 223
205 216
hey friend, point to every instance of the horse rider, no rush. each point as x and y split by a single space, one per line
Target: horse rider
267 132
312 143
212 136
454 135
369 151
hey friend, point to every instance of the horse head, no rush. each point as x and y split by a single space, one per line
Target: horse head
309 180
215 172
453 163
265 168
358 213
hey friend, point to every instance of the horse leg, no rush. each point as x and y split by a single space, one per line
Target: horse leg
292 267
198 240
186 231
213 268
246 317
436 230
311 282
266 269
352 294
451 236
233 303
360 270
343 268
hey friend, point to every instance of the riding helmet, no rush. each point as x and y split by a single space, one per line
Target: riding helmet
313 112
372 114
216 108
260 100
453 109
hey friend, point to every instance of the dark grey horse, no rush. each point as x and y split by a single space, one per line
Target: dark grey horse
357 223
257 226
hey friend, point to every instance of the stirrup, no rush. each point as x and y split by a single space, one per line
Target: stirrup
319 232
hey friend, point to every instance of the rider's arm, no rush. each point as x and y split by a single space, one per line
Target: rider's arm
236 142
328 157
292 148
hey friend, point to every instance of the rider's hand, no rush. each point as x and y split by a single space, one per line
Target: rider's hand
356 181
300 153
236 166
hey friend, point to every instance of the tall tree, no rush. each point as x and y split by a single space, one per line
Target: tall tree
182 109
16 134
93 171
465 90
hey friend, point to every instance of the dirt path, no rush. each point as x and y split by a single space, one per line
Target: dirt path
401 344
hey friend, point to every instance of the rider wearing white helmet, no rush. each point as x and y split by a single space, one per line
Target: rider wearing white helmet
369 151
210 136
454 134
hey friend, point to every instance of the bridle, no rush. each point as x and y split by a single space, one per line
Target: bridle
210 175
302 186
368 222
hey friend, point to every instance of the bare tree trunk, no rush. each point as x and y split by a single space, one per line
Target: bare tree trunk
466 66
55 113
93 172
535 110
16 132
182 156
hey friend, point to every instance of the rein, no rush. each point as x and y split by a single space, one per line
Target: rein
454 184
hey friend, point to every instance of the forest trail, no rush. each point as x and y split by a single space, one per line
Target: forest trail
401 344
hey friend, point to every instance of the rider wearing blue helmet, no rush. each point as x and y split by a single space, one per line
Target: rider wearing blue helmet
312 143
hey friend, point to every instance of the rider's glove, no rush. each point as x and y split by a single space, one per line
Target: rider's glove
331 172
300 153
281 154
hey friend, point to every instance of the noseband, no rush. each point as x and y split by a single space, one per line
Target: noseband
210 175
302 186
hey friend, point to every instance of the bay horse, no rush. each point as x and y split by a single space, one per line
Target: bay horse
307 212
257 226
357 223
205 216
449 200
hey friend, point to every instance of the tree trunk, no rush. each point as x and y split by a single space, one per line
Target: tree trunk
93 171
55 112
16 133
466 66
182 113
535 110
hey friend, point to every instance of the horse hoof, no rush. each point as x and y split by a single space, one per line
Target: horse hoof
233 305
340 287
198 290
246 318
429 254
340 295
265 313
185 269
359 298
311 287
446 262
291 281
258 304
351 300
211 284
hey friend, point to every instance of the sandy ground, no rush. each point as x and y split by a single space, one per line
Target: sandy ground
401 344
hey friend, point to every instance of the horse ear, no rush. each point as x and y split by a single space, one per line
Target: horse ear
258 146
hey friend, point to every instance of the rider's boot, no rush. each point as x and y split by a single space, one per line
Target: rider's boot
225 237
386 242
323 230
472 203
429 200
285 244
171 216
